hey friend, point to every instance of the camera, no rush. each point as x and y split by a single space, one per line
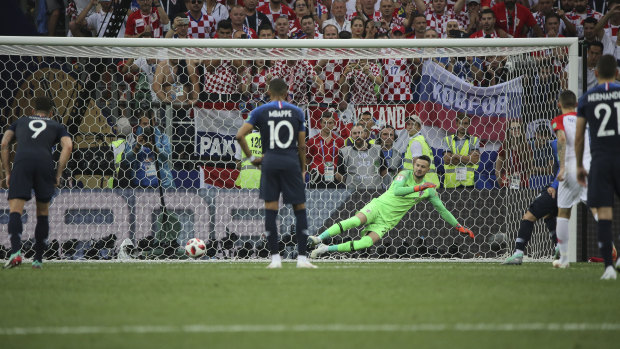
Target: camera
457 34
184 21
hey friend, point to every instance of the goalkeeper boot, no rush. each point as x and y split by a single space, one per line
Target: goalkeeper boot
321 249
37 265
609 274
14 260
515 259
313 241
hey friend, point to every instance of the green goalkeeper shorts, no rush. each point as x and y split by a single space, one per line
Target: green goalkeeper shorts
374 220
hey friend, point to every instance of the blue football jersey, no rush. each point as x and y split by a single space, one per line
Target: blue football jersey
600 106
279 124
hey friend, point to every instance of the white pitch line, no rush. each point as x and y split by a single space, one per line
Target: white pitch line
412 328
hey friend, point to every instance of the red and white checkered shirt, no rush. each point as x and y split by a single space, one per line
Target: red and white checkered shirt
396 84
362 87
136 22
223 80
396 21
331 76
434 21
296 77
612 31
258 85
201 28
481 34
577 19
355 14
273 16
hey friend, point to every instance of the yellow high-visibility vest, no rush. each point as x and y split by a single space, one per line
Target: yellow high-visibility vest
449 180
118 146
249 175
431 176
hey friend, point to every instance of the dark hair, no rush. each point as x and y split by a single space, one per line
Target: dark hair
265 26
278 87
425 158
553 15
357 18
489 11
590 20
607 67
224 24
43 103
327 114
568 99
306 17
461 115
597 44
345 35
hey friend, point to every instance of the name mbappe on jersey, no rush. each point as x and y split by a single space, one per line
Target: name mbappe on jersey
601 108
279 124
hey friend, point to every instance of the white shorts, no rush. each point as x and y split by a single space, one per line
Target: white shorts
569 191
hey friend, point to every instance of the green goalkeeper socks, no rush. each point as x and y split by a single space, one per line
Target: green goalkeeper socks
349 246
340 227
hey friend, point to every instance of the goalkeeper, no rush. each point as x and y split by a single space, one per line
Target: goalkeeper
383 213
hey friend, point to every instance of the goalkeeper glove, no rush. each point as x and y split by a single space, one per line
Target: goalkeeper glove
464 230
423 186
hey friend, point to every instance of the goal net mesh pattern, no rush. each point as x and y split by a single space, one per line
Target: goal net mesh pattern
194 98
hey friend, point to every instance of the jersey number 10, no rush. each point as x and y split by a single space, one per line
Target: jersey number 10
274 134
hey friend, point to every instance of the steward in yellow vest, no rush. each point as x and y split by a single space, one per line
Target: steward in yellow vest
418 146
249 175
118 146
461 156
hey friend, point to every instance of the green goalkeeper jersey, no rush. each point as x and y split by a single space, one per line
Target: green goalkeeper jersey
400 197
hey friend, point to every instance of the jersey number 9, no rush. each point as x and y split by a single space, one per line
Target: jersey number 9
37 130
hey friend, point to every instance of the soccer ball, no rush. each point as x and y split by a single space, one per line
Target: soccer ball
195 248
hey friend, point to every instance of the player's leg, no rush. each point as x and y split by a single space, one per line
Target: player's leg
271 230
301 232
15 228
605 240
350 246
563 234
602 185
41 232
551 224
338 228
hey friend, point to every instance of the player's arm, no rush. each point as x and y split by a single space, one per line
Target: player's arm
65 154
579 139
6 142
301 151
445 214
401 188
561 135
245 129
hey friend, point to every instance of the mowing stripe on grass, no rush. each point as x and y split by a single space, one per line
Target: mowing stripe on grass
77 330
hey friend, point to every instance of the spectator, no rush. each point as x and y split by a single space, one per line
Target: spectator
147 21
552 26
254 83
344 35
578 15
237 19
357 28
610 22
139 75
392 158
54 8
330 31
495 71
406 11
330 71
401 141
418 146
180 27
360 166
318 12
590 36
359 79
282 25
253 18
397 78
489 29
308 29
437 14
150 145
431 34
595 51
301 10
221 76
201 25
266 31
274 9
215 9
386 17
366 10
339 20
515 19
121 169
249 175
398 32
96 22
545 8
370 29
171 82
461 155
470 20
542 152
299 74
322 154
417 28
513 159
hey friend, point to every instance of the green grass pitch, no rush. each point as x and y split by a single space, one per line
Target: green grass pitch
339 305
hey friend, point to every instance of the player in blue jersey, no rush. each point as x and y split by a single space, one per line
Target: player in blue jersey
33 169
283 133
599 107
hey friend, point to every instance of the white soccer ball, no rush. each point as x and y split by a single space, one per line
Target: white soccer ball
195 248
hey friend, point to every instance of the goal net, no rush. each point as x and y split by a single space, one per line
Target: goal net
148 114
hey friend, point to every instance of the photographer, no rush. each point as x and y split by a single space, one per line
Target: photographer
148 146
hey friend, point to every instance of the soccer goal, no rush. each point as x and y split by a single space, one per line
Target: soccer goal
187 98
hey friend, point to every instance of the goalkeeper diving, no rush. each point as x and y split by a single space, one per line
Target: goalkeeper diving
383 213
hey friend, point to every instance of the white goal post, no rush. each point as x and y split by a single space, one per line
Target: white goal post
198 93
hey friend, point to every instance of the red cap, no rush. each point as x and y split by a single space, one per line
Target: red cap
398 28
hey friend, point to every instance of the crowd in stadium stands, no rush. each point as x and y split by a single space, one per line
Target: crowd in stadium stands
359 151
